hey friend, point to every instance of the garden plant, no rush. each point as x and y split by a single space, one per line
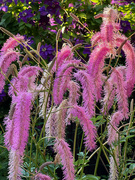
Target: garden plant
58 92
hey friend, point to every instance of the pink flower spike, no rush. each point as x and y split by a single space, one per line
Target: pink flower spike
25 79
63 76
64 55
96 61
121 91
112 128
15 162
21 119
51 124
5 61
41 176
109 91
11 43
29 71
63 150
61 116
88 91
87 125
130 62
96 38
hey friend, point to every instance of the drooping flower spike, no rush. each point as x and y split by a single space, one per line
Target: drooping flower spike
11 43
5 61
63 150
63 76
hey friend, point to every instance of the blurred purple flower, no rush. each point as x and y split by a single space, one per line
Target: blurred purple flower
53 7
47 51
77 41
87 49
43 11
29 41
5 1
2 95
125 26
25 15
4 8
44 21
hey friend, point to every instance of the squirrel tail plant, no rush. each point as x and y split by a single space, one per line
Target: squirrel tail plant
69 91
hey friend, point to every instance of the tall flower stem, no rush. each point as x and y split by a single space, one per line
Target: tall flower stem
83 164
75 136
130 125
97 161
45 119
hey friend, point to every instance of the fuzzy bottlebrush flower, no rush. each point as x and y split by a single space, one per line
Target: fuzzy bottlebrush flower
96 38
108 100
25 80
95 66
19 123
64 55
41 176
88 91
15 163
73 88
87 126
63 150
16 135
130 62
11 43
63 76
5 61
51 124
121 92
113 168
109 29
61 116
113 126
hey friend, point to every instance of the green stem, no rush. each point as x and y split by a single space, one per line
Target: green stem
130 124
75 136
83 164
91 157
97 161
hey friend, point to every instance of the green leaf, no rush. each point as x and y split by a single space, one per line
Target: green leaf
90 177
